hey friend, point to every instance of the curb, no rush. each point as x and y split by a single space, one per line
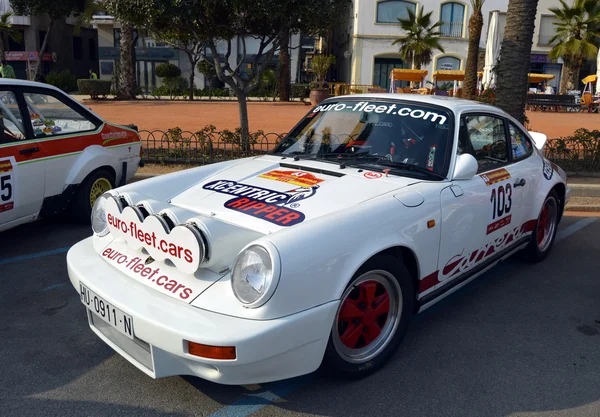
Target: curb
595 208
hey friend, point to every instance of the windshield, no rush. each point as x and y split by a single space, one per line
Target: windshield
403 136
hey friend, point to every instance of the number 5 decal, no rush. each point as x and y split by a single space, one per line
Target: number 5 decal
501 204
6 185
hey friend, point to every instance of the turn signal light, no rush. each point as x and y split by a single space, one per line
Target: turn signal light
211 352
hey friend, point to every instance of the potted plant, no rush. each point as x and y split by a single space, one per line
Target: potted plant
319 89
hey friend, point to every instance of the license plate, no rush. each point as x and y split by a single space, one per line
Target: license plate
106 311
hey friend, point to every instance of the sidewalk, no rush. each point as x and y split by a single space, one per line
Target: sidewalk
585 191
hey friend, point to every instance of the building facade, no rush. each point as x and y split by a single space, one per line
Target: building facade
67 48
366 54
150 53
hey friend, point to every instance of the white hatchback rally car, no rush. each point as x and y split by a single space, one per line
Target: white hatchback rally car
370 210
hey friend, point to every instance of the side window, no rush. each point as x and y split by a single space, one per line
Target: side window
11 120
520 144
50 116
485 138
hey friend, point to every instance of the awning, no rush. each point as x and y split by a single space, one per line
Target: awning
403 74
590 79
538 78
449 75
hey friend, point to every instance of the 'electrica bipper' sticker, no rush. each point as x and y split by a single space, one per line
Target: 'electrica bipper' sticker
298 178
277 207
495 177
7 191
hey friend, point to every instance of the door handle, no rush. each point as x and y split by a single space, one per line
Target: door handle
29 150
520 183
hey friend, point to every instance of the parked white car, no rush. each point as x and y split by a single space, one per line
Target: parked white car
56 154
372 209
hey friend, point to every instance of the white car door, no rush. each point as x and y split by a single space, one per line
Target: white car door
482 218
22 177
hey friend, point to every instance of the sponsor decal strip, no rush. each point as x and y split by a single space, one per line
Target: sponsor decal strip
461 263
298 178
136 267
495 177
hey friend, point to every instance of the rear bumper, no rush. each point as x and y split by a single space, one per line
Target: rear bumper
267 350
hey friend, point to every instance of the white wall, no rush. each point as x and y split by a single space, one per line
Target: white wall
372 39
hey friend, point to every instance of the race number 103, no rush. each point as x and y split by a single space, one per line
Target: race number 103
501 201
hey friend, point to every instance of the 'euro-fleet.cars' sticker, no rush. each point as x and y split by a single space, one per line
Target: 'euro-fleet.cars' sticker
180 245
365 106
7 184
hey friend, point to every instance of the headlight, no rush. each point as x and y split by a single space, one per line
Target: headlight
98 217
254 276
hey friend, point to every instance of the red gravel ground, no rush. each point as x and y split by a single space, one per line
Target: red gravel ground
277 117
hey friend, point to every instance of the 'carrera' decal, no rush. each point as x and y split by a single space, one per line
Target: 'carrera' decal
273 206
460 263
298 178
495 177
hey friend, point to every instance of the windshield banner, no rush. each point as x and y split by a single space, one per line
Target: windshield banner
365 106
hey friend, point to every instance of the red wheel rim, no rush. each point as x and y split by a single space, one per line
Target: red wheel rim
363 314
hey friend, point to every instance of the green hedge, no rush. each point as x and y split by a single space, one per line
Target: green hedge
94 88
64 80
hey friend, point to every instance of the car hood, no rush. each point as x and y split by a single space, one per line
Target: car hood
270 193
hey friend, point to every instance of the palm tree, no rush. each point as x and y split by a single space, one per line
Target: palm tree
7 31
475 25
421 39
576 31
513 65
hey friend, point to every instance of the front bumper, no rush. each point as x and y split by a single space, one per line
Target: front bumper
267 350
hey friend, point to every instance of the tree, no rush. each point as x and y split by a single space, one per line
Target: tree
126 82
577 28
187 43
7 31
421 39
513 64
233 23
54 9
475 25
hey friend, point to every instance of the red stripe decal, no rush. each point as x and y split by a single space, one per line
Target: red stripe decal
428 282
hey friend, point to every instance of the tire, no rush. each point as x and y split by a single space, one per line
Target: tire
350 356
94 185
544 233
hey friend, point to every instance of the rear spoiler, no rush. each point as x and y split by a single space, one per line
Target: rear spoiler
539 139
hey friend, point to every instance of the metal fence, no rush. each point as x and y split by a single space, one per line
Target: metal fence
176 146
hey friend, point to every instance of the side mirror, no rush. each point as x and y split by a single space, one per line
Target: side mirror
539 139
466 167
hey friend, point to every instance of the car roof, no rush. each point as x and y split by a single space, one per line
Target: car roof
25 83
457 105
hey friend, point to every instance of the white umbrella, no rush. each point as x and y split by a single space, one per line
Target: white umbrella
492 51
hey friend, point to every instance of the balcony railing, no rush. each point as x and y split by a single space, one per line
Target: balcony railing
452 30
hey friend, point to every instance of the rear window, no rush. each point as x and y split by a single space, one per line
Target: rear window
400 131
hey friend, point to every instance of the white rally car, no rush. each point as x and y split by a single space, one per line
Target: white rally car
56 154
370 210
